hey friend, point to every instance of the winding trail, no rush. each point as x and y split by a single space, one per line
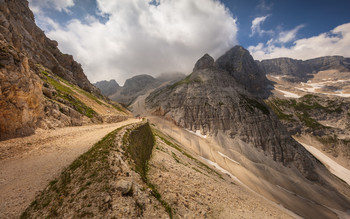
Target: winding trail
28 164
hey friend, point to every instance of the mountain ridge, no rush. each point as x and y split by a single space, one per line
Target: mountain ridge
135 86
303 69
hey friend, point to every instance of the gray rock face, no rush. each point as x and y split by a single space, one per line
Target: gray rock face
303 70
205 62
18 28
107 87
140 85
241 65
211 99
24 47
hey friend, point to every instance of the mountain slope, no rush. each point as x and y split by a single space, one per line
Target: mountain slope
36 79
301 70
212 104
210 100
241 65
107 87
177 184
135 86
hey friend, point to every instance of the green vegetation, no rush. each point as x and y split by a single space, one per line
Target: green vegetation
302 108
57 84
89 170
329 140
140 143
140 146
308 121
78 105
66 93
279 112
187 80
251 104
175 157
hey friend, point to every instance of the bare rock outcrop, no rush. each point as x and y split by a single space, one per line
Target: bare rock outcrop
240 64
299 70
135 86
212 100
26 57
20 94
205 62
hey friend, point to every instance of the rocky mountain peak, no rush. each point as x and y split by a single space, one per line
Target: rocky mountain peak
217 99
107 87
205 62
240 64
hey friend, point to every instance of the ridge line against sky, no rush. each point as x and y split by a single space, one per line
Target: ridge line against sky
124 38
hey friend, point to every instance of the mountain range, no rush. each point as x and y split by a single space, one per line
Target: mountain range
235 138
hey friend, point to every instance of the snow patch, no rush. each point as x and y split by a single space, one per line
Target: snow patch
342 95
314 86
197 132
288 94
223 155
333 166
217 166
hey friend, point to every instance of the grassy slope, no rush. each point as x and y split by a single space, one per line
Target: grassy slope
70 93
90 170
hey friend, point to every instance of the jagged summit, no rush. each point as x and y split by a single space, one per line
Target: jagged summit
215 100
205 62
107 87
240 64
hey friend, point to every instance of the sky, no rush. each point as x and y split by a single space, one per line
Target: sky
118 39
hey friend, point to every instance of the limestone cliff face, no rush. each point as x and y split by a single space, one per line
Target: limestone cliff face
212 100
303 70
25 53
20 94
19 30
241 65
107 87
136 86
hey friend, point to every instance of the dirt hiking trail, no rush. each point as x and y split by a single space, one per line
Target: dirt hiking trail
28 164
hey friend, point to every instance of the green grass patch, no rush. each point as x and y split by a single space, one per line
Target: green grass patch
309 122
140 143
78 105
58 85
187 80
66 93
253 103
279 112
140 146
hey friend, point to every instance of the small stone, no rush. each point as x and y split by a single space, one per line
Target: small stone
124 186
108 199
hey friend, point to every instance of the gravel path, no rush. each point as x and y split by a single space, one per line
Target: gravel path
28 164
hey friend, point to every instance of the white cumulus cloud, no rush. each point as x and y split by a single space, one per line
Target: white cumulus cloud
256 26
290 35
334 42
147 37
